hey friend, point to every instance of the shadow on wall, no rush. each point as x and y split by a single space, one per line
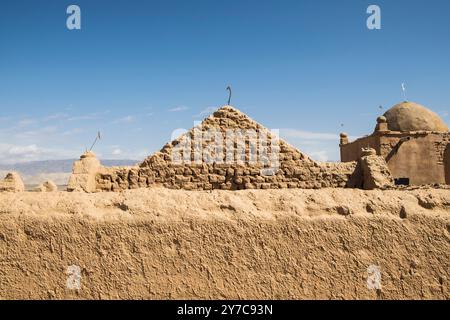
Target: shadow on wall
447 164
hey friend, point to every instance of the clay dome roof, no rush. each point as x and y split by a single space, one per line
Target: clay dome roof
410 116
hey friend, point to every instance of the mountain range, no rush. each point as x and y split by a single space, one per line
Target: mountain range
35 172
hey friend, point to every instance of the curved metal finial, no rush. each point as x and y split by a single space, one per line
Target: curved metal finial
229 95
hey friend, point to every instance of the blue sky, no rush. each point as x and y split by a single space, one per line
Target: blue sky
137 70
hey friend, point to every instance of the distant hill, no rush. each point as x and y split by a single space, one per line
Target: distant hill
35 172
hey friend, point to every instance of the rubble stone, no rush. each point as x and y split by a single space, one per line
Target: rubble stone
375 172
47 186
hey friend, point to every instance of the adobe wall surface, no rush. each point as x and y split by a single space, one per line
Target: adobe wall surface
352 151
447 163
293 169
251 244
421 158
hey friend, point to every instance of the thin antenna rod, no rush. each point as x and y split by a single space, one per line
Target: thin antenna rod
98 137
229 96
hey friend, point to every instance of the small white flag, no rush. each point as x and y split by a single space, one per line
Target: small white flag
404 91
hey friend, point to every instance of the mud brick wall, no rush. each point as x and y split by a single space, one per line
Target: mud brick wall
293 169
119 178
225 177
441 145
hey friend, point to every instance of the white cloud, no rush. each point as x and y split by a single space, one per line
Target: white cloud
116 152
85 117
72 132
321 155
205 112
26 122
38 132
56 116
126 119
178 109
90 116
308 135
21 150
320 146
11 153
139 154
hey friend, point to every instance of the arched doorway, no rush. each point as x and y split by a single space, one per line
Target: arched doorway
447 164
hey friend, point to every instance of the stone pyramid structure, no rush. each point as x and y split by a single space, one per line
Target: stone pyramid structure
224 120
250 157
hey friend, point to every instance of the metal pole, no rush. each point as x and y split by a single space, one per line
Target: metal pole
98 137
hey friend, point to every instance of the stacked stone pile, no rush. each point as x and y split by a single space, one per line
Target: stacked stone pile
47 186
371 172
12 183
84 173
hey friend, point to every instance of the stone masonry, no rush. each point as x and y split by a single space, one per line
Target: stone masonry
12 183
293 169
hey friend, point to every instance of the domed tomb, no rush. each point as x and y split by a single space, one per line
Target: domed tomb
411 139
410 116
